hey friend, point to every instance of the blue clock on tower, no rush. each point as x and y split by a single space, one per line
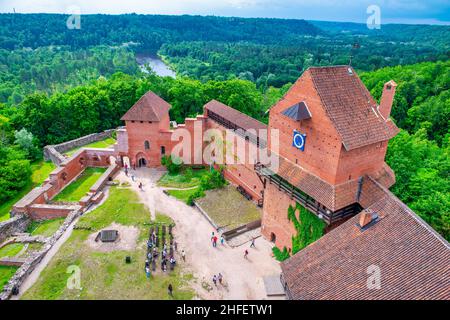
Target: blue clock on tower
298 140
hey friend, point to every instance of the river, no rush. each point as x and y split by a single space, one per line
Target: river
156 64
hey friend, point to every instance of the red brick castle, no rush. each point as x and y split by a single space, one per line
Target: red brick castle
332 137
331 143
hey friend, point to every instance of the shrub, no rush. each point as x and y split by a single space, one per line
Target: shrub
213 180
198 194
171 166
188 174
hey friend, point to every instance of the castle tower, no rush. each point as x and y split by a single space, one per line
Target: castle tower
332 135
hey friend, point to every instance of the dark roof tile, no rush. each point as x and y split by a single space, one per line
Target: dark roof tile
149 107
350 107
413 259
234 116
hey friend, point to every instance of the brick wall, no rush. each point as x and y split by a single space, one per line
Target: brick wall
323 144
275 217
35 202
324 154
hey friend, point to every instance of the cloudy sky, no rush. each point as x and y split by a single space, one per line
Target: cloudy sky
392 11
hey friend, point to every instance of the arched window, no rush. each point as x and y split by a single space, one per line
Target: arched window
146 145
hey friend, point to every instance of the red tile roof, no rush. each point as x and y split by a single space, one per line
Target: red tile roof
413 259
149 107
350 107
234 116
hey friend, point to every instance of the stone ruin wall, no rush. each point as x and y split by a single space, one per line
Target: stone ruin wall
16 224
54 152
33 260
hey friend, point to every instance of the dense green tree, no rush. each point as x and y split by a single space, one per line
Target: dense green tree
422 172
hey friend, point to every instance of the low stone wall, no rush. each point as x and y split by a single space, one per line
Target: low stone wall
241 229
16 224
31 262
54 152
12 262
100 183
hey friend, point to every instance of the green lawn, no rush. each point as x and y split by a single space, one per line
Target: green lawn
45 228
6 273
182 195
106 275
11 250
103 144
40 170
78 188
228 208
185 179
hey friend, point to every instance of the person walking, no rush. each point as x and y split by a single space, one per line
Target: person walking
215 280
214 240
245 254
252 245
132 177
222 240
170 290
147 272
183 255
140 185
220 277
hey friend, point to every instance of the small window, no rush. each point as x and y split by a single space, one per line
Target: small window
146 145
163 150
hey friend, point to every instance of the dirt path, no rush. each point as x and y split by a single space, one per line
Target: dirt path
193 232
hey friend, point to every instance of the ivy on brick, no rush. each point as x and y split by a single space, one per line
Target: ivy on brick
309 229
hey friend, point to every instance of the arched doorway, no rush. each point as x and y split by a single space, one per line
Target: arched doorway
142 162
273 237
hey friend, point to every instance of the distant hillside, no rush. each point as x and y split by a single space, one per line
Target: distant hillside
150 31
420 35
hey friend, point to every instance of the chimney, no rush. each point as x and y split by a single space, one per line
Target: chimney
387 98
367 217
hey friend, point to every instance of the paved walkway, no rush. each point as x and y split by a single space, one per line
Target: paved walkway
244 277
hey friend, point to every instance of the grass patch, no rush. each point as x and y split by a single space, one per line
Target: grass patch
40 172
6 273
162 218
11 250
78 188
102 144
106 275
186 178
183 195
45 228
30 249
228 208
